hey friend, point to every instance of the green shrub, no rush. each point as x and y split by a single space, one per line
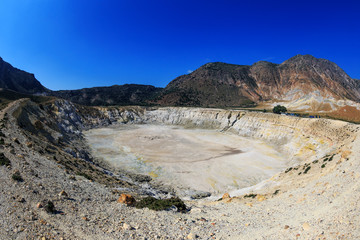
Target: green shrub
251 195
307 169
161 204
279 109
17 177
50 207
4 161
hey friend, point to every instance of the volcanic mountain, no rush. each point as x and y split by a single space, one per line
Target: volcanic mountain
227 85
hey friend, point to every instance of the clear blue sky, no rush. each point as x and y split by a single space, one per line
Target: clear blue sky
70 44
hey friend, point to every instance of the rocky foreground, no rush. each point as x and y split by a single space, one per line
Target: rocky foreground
45 160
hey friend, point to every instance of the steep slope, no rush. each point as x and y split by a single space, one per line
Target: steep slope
18 80
128 94
306 74
301 77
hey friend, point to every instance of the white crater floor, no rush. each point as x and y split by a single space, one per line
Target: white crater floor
187 159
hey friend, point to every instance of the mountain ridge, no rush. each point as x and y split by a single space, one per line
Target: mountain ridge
301 82
298 77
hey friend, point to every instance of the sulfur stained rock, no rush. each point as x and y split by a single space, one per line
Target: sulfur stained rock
226 196
126 199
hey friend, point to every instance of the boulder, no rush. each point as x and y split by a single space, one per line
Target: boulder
226 196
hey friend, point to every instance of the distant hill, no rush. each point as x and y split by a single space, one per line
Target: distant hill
17 80
128 94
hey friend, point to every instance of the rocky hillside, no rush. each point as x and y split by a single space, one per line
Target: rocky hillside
17 80
220 84
128 94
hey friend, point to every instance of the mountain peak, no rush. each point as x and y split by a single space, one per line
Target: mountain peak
301 58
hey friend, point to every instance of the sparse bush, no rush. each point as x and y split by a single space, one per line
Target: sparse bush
276 192
307 169
161 204
50 207
4 161
17 177
251 195
324 165
279 109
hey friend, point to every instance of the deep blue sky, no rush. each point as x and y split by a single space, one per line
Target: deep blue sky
70 44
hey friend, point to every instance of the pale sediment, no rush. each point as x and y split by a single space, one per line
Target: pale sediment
189 160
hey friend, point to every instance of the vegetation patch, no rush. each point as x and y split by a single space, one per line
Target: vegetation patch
276 192
161 204
4 161
279 109
307 169
288 170
17 177
50 207
251 195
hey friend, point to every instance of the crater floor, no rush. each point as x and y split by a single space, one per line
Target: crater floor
190 160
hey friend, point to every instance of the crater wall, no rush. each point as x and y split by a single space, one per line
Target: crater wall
298 138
